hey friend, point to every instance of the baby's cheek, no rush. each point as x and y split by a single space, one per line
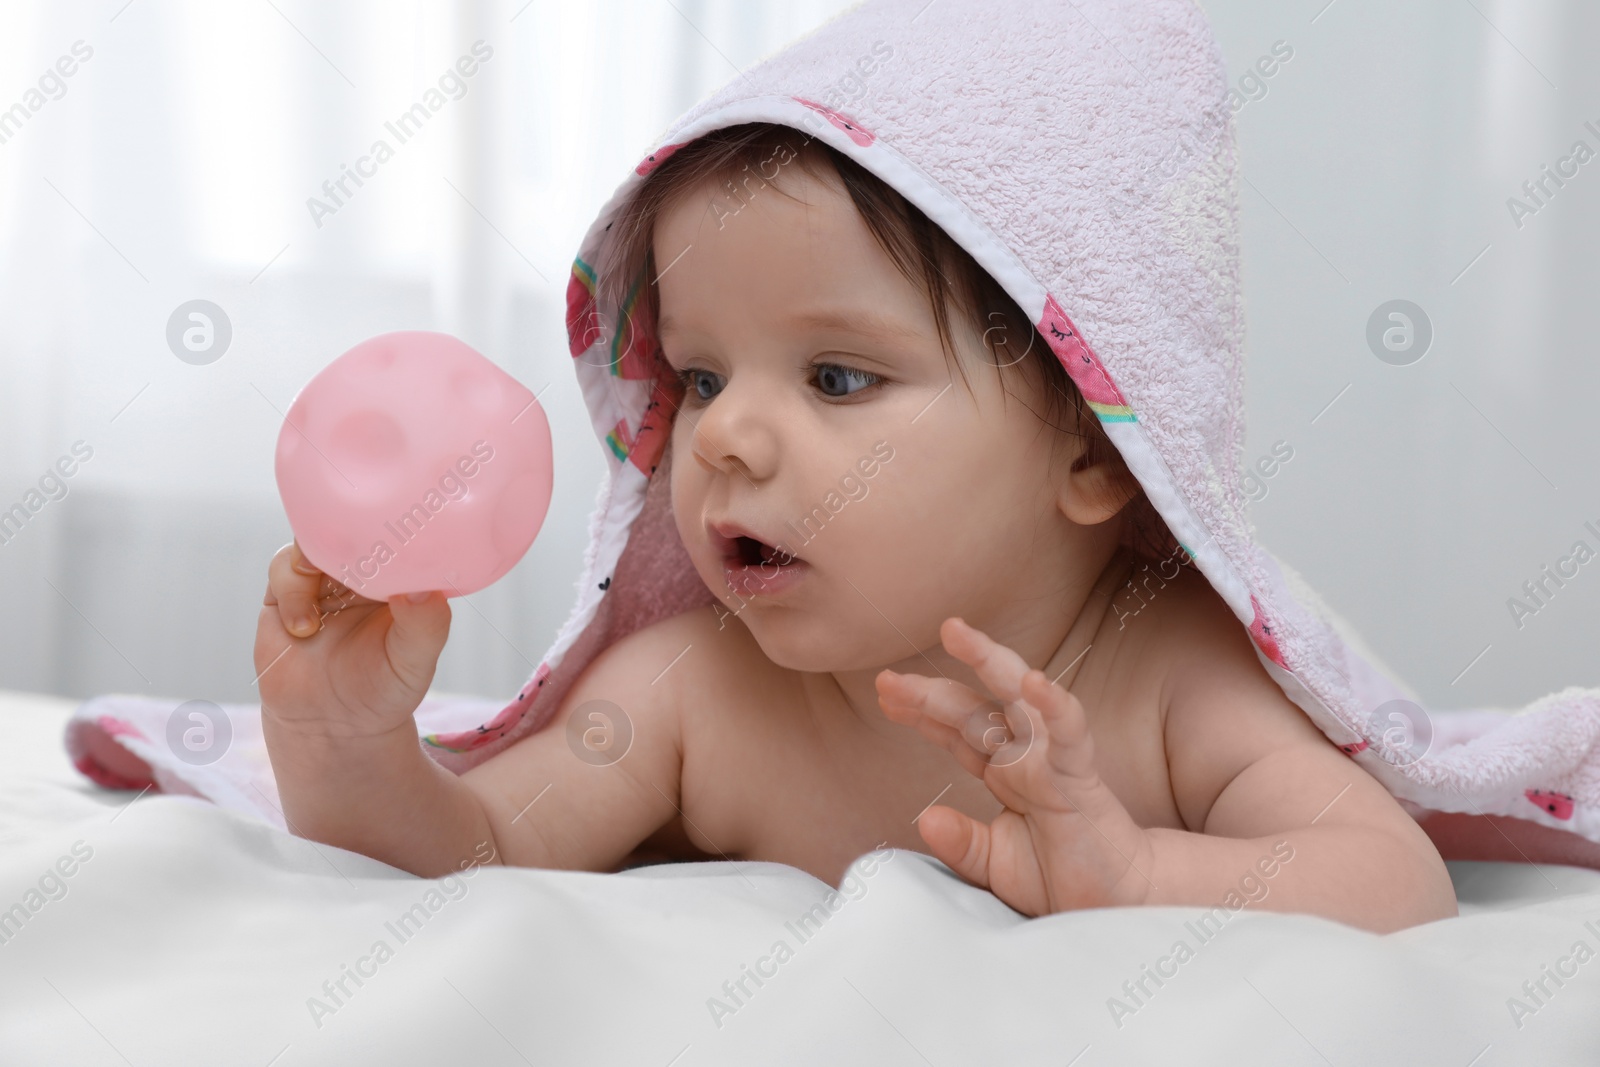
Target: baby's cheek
687 501
911 540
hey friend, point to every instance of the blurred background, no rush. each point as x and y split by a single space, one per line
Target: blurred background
1436 460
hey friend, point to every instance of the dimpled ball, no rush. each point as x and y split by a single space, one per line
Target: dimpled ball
412 463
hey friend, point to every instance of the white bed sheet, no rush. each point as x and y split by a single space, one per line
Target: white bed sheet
196 936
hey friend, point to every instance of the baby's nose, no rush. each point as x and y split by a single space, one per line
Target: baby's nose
738 434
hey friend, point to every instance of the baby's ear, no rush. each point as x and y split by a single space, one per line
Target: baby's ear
1097 486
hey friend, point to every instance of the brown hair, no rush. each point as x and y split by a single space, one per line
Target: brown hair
921 250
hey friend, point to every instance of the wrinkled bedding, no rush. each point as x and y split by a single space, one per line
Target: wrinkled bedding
163 930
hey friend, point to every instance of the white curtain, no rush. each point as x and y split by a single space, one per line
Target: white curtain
176 160
175 163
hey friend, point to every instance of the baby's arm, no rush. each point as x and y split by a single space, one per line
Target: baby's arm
337 709
1253 773
549 808
1243 762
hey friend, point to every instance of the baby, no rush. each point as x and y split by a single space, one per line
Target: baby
958 662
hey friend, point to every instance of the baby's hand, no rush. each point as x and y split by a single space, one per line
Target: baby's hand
336 664
1065 840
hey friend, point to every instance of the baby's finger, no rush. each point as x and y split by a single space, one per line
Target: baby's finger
959 841
998 667
1071 750
943 700
294 590
977 726
331 597
304 594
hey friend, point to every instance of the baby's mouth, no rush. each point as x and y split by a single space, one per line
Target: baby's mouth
752 566
750 552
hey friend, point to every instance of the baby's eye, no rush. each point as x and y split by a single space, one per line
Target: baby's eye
832 379
690 377
832 375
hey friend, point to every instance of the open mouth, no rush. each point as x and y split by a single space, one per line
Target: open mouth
750 552
739 546
751 566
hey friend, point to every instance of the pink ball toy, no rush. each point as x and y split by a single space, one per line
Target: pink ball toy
412 463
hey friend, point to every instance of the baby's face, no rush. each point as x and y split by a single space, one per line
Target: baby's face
822 418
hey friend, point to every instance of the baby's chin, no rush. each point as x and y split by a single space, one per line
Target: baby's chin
816 642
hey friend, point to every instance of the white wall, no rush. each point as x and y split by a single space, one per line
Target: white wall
1379 164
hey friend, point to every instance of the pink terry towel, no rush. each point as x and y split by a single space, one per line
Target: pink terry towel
1083 153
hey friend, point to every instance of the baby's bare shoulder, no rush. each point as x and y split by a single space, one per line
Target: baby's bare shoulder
1204 647
1220 709
652 649
1243 759
1193 625
701 651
